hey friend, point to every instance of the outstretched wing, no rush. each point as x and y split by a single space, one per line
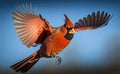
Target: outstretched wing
30 27
93 21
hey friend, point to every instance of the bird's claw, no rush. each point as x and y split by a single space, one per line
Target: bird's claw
58 60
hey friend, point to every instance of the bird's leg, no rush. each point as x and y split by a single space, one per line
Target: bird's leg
58 60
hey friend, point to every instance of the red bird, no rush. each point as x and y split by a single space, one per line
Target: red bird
33 29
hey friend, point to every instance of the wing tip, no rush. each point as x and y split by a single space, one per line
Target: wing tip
95 19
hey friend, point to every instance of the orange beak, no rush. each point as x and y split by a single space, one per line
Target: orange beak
72 31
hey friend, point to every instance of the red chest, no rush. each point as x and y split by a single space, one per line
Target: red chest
56 43
62 42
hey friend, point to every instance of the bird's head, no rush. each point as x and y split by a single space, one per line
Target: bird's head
69 25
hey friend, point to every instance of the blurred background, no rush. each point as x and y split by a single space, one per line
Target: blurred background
91 51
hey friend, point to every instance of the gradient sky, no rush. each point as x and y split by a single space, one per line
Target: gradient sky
88 48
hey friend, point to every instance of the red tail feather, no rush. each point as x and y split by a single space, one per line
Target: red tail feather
26 64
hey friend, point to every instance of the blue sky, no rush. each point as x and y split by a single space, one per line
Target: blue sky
88 48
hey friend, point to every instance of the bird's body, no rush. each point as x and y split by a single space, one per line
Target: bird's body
56 42
33 30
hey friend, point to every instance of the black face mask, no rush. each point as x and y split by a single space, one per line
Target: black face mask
69 36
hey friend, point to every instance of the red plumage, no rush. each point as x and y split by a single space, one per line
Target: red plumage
32 29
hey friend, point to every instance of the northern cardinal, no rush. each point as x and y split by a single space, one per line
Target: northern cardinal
33 29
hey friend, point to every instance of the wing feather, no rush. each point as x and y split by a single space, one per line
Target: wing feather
89 20
93 21
29 26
